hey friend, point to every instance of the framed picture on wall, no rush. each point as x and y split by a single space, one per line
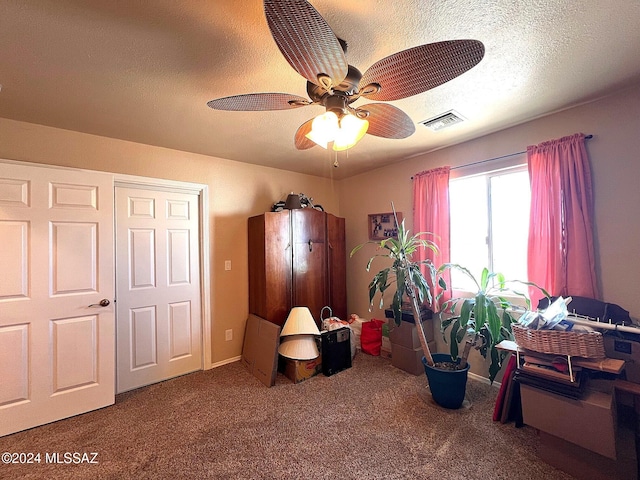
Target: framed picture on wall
383 225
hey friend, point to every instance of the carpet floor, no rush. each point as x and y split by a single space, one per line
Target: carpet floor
372 421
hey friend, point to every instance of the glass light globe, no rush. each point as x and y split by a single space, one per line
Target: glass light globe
324 129
352 129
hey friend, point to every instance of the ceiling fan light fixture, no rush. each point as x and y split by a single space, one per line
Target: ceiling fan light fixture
312 49
317 139
351 131
344 133
324 129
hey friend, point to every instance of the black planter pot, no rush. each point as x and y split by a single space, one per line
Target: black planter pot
447 386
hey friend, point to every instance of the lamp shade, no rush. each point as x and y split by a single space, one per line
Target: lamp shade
344 132
352 129
292 202
300 322
299 347
323 129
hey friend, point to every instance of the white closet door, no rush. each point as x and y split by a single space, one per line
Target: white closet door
56 340
159 321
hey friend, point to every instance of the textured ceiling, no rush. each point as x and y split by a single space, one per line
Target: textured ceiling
144 70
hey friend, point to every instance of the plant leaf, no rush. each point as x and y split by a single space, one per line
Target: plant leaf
465 311
494 323
496 364
454 266
446 322
484 279
396 306
480 310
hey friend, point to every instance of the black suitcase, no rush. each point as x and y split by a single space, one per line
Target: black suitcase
336 350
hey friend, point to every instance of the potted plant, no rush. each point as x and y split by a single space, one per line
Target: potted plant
483 320
405 273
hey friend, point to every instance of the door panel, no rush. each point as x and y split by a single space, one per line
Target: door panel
56 342
309 260
14 349
180 329
73 260
13 257
73 338
158 268
144 337
179 251
14 192
142 266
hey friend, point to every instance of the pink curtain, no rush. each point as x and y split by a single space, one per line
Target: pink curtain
431 214
560 252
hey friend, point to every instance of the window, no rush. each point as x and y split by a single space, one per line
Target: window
489 215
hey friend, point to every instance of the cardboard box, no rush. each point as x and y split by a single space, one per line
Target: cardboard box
583 463
409 359
407 314
385 348
574 460
406 334
627 350
260 349
300 370
384 353
589 422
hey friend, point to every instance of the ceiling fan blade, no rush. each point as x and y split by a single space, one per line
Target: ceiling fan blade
306 40
302 142
258 102
422 68
388 121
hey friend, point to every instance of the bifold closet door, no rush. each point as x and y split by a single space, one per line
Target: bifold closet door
159 320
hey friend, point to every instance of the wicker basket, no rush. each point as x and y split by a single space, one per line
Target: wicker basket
557 342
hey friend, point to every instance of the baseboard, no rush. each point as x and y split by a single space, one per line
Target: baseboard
227 361
473 376
482 379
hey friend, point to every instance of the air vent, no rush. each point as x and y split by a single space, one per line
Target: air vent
443 121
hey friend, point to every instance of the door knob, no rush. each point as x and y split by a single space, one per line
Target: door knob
103 303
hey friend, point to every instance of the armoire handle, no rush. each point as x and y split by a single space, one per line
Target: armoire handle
310 246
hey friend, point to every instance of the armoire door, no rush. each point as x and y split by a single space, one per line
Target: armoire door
309 276
269 258
56 294
337 266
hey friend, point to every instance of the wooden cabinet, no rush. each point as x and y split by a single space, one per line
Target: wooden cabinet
296 258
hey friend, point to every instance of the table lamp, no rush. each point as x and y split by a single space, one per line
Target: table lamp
297 339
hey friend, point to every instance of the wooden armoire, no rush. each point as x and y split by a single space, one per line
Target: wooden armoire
297 258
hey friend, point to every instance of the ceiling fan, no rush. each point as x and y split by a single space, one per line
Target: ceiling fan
313 50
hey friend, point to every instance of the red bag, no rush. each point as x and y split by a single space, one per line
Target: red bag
371 337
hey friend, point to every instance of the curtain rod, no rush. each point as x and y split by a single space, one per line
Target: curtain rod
586 137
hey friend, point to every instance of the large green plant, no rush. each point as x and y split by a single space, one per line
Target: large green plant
405 274
483 320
